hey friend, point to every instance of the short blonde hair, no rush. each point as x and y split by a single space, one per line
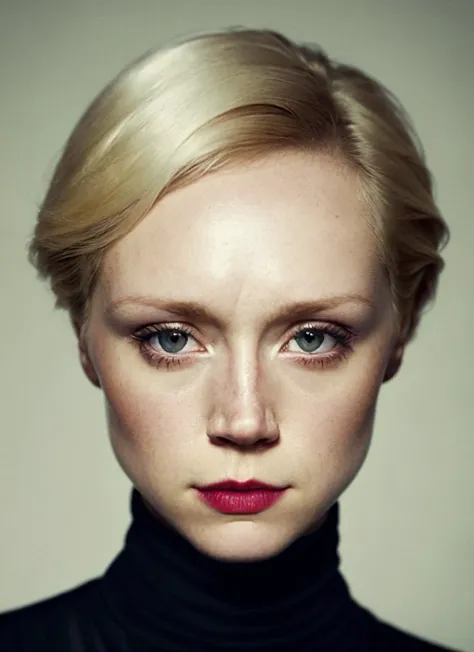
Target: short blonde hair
216 100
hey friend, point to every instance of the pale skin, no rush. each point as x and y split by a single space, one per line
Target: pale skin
261 391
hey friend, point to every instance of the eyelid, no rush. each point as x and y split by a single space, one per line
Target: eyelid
332 328
342 334
150 329
316 324
344 344
153 329
322 323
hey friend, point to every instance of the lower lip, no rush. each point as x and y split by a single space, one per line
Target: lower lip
240 502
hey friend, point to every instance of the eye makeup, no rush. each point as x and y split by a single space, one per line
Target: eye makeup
150 344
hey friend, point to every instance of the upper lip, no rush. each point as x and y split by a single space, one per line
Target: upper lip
239 486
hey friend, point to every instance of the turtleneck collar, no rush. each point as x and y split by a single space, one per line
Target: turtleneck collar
170 596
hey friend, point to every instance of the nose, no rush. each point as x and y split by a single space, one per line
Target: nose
242 407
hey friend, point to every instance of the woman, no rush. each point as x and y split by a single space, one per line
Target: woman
244 235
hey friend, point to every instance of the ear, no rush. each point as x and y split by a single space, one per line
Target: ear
85 357
394 362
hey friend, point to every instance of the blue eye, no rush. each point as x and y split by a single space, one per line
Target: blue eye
309 340
316 345
163 345
171 341
314 340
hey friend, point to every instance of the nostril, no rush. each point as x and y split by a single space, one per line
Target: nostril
256 445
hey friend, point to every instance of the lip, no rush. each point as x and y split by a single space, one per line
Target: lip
232 497
235 485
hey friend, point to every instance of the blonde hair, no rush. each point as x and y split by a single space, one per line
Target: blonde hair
216 100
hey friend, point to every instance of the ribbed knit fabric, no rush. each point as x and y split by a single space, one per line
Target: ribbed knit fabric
162 594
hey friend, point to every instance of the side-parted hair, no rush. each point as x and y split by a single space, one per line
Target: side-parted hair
222 99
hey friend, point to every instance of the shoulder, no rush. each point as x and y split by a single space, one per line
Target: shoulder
52 624
389 638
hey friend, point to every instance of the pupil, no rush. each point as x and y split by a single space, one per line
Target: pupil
310 341
172 341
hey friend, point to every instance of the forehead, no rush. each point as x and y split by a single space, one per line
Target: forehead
293 224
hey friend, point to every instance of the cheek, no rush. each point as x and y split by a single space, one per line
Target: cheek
145 407
335 421
146 414
156 420
146 434
152 424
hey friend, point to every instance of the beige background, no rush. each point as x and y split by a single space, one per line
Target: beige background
408 519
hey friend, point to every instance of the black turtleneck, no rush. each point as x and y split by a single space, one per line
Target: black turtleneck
162 594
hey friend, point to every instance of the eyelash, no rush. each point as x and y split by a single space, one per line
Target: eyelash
343 346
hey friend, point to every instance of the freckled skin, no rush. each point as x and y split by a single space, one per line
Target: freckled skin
242 242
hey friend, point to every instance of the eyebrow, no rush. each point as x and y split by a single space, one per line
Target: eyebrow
195 311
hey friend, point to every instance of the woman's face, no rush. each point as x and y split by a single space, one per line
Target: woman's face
242 331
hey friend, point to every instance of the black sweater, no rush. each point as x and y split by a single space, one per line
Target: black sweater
160 593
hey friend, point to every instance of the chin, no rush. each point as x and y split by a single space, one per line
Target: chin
242 541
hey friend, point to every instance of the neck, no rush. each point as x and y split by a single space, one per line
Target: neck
167 590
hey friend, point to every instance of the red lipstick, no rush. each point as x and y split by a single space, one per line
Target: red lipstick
232 497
